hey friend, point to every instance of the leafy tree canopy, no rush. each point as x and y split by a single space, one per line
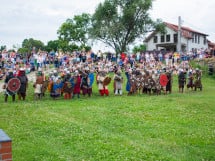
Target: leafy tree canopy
52 45
119 22
75 31
3 47
23 50
139 48
31 43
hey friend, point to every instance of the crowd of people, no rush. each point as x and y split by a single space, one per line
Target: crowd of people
73 74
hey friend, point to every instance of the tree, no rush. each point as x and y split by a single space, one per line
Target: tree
119 23
75 31
3 47
23 50
52 45
139 48
31 43
65 46
60 45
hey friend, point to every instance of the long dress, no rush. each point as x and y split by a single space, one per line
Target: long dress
77 87
128 85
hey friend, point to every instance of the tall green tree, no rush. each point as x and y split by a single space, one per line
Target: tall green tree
75 30
52 45
23 50
139 48
3 47
32 43
119 23
55 45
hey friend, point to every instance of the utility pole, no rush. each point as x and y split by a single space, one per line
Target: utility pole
179 35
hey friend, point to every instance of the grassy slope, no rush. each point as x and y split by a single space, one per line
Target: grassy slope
141 127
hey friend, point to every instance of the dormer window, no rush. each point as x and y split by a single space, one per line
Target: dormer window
162 38
167 38
155 39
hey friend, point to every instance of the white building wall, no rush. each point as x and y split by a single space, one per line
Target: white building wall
197 45
151 45
188 42
171 33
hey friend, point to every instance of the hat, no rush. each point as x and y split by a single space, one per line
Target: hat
119 71
21 69
87 68
130 70
39 73
10 70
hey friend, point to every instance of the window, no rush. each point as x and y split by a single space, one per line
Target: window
195 38
175 38
205 40
198 39
167 38
162 38
192 37
155 39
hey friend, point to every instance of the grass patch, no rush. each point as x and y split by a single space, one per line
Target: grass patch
141 127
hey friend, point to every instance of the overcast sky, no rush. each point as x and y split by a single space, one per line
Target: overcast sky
40 19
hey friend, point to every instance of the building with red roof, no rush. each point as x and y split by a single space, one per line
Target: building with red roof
190 39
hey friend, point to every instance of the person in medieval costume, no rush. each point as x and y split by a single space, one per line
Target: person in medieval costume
170 81
118 82
190 83
90 82
84 82
24 84
9 76
198 82
103 88
128 83
181 80
87 82
77 84
38 85
163 79
56 85
68 86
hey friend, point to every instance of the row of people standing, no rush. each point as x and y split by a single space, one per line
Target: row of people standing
72 84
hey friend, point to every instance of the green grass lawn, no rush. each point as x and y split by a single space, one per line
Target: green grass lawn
141 127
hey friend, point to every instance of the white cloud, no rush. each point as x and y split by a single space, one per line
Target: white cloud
196 14
40 19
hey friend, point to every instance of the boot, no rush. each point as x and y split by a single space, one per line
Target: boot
19 96
13 98
5 98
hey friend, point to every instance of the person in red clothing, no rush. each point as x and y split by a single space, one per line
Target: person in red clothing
103 89
123 56
68 86
77 86
24 84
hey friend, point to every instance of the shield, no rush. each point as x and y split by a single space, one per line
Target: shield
106 81
13 85
163 80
